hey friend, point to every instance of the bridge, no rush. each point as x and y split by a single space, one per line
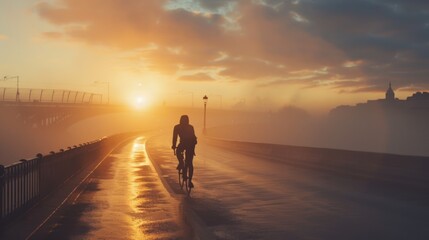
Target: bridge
51 108
125 187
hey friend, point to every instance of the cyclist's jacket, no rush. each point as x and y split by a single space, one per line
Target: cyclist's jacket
186 133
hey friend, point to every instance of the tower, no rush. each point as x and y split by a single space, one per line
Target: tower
390 95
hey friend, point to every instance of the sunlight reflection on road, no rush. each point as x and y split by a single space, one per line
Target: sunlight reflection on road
138 159
123 199
153 216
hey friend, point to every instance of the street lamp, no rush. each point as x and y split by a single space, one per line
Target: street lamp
17 85
108 89
205 99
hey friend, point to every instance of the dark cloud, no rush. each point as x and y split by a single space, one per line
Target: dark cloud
214 5
271 39
378 32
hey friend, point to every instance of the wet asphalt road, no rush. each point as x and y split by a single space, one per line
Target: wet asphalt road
240 196
237 196
122 199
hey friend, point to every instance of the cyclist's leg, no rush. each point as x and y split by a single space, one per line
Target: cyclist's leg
189 160
179 155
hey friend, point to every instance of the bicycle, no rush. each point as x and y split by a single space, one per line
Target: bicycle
184 181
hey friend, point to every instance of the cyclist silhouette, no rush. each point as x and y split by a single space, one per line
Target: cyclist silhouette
188 140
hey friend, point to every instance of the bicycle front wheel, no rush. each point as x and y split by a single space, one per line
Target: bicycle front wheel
188 187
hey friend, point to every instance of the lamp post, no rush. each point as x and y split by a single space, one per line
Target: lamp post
205 99
17 85
108 90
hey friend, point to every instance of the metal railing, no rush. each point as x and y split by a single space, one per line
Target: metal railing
24 183
49 96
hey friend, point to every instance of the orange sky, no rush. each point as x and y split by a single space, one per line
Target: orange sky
246 54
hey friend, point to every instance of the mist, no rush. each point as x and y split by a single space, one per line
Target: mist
20 141
376 130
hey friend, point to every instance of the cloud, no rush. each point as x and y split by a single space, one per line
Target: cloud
214 5
363 44
3 37
377 32
413 89
199 77
250 69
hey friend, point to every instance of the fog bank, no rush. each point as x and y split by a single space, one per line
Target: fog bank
377 130
374 131
18 141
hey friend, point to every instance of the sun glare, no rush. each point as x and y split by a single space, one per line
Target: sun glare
141 102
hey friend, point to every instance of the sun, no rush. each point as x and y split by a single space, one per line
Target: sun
141 102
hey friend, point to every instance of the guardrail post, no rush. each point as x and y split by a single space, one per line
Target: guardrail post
2 195
40 186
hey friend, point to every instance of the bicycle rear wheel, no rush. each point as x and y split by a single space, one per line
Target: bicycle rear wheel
181 180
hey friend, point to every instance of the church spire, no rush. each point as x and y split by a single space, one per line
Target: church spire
390 94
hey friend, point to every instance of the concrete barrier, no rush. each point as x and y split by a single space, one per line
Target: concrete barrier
401 170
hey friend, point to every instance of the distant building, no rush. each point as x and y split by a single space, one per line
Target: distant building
387 124
419 101
390 94
419 96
